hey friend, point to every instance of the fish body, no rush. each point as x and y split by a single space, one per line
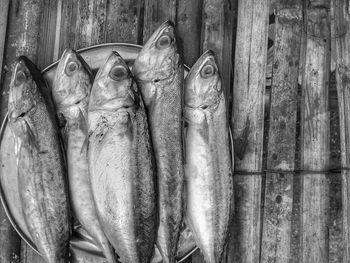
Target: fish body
71 91
159 73
41 172
121 162
208 168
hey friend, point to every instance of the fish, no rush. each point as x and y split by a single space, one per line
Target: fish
121 162
41 169
71 91
159 73
208 164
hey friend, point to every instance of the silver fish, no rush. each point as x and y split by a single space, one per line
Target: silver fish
208 169
121 162
41 173
71 91
159 72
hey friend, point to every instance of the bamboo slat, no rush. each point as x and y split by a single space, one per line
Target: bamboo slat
276 240
189 26
218 17
47 36
315 134
91 23
248 124
157 12
4 8
341 36
125 21
67 25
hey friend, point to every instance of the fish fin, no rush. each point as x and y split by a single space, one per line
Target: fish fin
85 145
82 124
231 146
184 134
31 136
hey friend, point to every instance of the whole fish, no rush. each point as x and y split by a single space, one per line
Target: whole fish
41 172
159 73
121 162
208 169
71 90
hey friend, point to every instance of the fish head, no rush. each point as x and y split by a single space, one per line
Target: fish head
159 58
203 83
72 83
23 90
114 86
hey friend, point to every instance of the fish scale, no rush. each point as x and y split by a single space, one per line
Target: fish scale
159 74
121 162
208 159
41 172
71 90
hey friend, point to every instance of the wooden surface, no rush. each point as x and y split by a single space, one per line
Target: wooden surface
277 217
248 125
315 134
341 35
277 221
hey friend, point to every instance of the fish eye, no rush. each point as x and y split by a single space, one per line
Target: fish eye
164 41
118 73
207 71
71 67
20 78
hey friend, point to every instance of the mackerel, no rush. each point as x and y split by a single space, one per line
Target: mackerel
208 168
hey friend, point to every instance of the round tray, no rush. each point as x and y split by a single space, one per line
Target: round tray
82 245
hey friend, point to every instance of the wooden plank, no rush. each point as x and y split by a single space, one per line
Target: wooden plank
276 241
91 23
68 34
341 35
125 21
248 123
4 8
315 134
189 26
217 34
157 12
47 34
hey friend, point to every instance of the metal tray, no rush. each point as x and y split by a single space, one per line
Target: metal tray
82 245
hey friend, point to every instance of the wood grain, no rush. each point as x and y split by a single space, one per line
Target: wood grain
47 35
125 21
315 134
4 8
276 240
218 17
157 12
91 23
68 21
341 35
189 27
248 124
